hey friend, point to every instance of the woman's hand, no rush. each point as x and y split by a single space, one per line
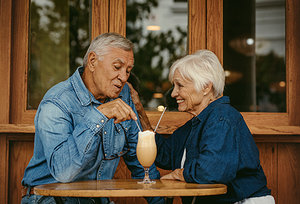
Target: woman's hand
139 108
177 174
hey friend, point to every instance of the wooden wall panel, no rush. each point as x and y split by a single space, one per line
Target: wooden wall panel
3 169
197 25
20 153
100 12
268 160
5 58
117 16
288 173
293 60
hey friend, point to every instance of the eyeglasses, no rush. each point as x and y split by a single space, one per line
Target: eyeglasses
120 154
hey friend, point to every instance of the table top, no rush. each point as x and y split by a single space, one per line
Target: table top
128 188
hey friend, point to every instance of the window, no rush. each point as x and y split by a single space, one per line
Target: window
59 36
254 54
159 31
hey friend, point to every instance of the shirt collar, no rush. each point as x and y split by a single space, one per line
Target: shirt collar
84 95
207 110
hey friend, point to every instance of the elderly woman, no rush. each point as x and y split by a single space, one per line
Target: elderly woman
215 146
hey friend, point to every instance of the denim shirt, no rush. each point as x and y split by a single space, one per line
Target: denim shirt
219 149
73 138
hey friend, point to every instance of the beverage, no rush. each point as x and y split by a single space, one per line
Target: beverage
146 148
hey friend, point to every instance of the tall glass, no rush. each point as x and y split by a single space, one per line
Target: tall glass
146 152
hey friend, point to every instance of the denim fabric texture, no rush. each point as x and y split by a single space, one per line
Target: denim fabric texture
219 149
36 199
73 138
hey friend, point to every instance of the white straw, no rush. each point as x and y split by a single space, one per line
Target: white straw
138 125
160 119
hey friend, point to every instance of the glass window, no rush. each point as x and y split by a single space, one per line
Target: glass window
59 36
159 31
254 54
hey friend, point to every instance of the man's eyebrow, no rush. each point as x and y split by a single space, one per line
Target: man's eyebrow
119 60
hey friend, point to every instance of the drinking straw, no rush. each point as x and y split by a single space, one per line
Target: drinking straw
138 125
160 119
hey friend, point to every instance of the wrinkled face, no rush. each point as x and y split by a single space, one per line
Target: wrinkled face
187 98
111 73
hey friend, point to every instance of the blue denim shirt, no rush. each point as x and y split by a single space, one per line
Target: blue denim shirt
219 149
73 138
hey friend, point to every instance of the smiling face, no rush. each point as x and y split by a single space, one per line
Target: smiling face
187 98
110 74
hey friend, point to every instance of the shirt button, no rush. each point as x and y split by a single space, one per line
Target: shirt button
97 126
105 132
102 121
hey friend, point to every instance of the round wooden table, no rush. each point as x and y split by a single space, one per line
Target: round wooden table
129 188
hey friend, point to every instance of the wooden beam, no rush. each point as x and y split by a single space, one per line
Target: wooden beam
197 25
5 58
100 15
117 16
293 60
215 27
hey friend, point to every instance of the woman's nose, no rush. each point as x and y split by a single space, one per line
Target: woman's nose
174 93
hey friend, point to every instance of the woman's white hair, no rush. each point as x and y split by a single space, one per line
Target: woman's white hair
104 41
201 67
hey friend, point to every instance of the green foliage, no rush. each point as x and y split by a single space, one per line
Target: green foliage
154 51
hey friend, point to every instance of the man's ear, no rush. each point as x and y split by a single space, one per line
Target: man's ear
207 88
92 58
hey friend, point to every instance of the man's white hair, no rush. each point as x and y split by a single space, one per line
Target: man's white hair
104 41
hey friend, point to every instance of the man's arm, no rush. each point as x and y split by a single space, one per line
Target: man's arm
68 145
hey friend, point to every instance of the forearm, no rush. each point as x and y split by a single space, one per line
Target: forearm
146 125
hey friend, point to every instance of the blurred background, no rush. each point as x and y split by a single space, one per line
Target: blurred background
253 55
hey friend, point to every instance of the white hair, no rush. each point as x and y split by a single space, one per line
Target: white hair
104 41
201 67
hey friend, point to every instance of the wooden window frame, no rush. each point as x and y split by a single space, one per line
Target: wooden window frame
205 32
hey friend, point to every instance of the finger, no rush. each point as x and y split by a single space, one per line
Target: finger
120 112
131 113
168 177
125 112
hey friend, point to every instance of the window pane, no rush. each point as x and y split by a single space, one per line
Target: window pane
159 31
254 54
59 36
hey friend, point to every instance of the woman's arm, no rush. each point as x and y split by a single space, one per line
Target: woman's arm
140 109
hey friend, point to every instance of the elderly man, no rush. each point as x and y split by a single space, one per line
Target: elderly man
84 124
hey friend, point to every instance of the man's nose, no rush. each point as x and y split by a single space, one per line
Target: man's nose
123 76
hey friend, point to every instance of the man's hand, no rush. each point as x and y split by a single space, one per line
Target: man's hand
177 174
118 110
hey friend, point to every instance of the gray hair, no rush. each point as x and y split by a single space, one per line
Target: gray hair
201 67
104 41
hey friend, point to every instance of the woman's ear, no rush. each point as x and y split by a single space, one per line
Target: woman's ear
208 88
92 58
